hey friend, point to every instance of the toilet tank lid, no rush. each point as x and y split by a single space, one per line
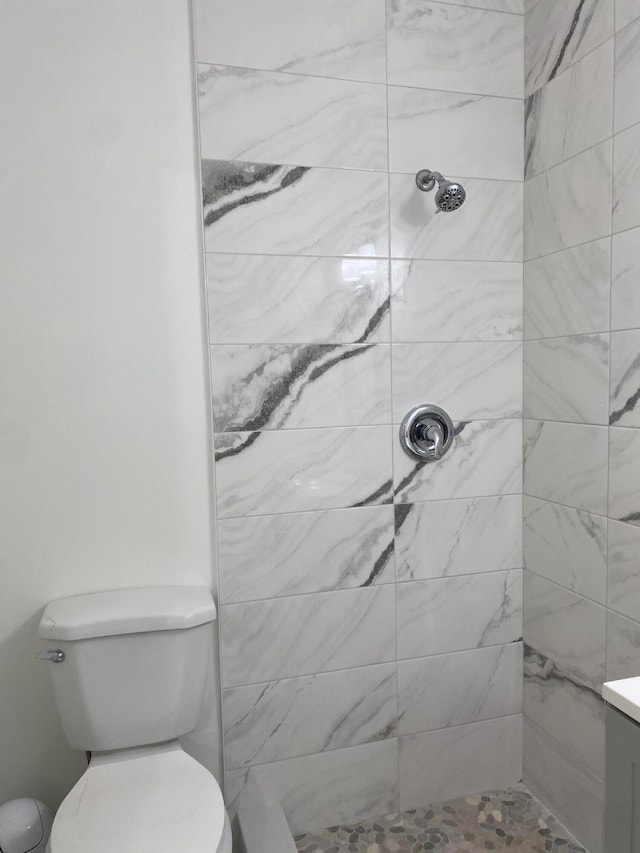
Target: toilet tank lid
127 611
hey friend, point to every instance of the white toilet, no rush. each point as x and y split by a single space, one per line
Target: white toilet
128 670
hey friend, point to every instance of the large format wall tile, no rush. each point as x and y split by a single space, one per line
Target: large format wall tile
487 228
558 34
257 208
316 385
626 179
571 113
315 713
443 538
448 47
471 381
306 634
288 118
265 299
567 546
515 6
458 613
567 293
274 555
567 379
456 301
259 473
624 475
566 463
449 120
625 379
485 459
567 205
464 687
569 789
627 102
625 306
460 760
624 569
327 789
626 11
623 647
316 37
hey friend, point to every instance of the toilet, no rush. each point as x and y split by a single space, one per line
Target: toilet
128 669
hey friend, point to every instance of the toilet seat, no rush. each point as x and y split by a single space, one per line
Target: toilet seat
145 800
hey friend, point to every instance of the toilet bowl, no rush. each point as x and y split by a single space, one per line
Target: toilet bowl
128 670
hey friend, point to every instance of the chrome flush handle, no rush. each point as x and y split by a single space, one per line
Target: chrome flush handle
53 655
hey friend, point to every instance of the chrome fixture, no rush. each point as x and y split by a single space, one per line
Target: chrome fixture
54 655
450 195
426 433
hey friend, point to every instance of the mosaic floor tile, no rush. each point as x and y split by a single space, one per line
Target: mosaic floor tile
510 820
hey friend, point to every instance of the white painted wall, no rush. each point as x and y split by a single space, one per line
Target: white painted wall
104 417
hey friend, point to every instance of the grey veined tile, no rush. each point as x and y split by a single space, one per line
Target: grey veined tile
464 537
469 49
275 386
268 556
558 34
295 210
627 99
316 37
626 179
623 647
307 634
624 475
624 569
567 293
625 379
270 117
456 301
256 299
626 11
625 305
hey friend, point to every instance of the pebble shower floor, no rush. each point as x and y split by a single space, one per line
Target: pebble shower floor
511 820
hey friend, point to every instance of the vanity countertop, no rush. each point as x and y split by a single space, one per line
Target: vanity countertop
624 695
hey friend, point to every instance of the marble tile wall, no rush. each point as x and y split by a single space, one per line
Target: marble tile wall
581 391
370 607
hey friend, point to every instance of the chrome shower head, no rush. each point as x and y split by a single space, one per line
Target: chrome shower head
450 195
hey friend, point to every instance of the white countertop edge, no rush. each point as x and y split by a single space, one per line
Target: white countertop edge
624 695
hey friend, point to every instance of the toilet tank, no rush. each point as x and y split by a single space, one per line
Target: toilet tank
135 664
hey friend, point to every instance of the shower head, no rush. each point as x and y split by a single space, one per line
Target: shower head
450 195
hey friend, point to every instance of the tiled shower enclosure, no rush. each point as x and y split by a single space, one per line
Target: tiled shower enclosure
371 607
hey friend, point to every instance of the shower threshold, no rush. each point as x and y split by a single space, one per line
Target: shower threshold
512 820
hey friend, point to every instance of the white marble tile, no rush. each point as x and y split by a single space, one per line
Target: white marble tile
567 293
485 459
571 113
256 299
454 614
626 11
627 98
460 760
567 379
315 713
270 117
558 34
513 6
626 179
268 556
464 687
274 210
456 301
624 569
471 381
567 546
572 793
261 473
565 206
316 37
623 647
453 48
624 475
326 789
625 379
566 463
564 668
625 305
487 228
276 386
443 538
307 634
449 120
